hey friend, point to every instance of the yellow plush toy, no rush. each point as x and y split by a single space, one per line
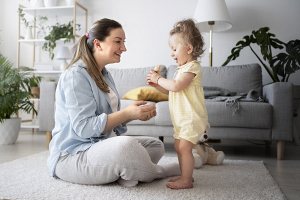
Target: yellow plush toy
204 153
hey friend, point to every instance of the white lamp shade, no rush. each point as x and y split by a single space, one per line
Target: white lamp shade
63 53
212 10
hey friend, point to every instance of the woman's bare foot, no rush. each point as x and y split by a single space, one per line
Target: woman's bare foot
127 183
177 178
177 185
172 169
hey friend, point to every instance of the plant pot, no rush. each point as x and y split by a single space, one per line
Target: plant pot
36 3
9 130
28 35
36 92
50 3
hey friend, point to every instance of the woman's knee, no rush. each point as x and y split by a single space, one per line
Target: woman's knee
125 142
126 146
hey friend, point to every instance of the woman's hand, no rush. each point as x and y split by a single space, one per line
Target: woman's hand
152 78
138 110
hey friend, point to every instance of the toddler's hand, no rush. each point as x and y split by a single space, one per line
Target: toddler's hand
152 78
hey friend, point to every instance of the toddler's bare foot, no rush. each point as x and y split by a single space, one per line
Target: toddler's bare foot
177 185
177 178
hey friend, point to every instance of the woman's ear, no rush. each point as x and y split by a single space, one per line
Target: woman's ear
190 49
97 44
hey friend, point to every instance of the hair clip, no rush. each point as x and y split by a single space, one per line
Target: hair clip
87 35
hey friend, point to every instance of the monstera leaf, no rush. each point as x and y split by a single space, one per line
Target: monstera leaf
266 41
287 63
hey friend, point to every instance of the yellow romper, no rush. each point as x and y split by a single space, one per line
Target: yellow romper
187 107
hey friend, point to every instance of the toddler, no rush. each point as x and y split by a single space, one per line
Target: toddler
186 97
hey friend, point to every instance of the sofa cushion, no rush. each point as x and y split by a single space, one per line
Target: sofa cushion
235 78
249 115
125 103
129 79
163 117
146 93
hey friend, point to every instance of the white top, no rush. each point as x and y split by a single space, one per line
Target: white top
114 106
113 100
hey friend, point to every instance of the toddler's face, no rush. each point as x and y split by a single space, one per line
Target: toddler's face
179 51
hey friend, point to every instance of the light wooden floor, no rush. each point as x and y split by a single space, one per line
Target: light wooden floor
285 172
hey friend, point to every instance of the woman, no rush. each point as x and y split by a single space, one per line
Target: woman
88 109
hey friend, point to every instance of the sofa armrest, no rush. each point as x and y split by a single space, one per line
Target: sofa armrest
47 107
280 96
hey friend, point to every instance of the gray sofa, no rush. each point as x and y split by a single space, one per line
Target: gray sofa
269 120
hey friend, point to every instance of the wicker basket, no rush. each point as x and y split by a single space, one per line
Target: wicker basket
36 92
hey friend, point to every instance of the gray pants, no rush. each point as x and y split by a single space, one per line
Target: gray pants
131 158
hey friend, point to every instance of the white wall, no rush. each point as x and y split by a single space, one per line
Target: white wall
1 29
147 24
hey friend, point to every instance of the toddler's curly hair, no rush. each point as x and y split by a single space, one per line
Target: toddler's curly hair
190 34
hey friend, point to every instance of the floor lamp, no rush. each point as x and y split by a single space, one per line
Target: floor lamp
212 15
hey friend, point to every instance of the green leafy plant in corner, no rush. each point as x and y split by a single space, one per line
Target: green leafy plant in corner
57 32
283 64
15 89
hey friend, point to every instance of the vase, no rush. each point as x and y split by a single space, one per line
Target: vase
36 3
70 2
28 35
9 130
50 3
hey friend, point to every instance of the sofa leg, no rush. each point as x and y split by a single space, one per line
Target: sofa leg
280 149
161 138
49 137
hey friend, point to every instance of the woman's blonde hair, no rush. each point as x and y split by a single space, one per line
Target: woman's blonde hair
190 34
84 47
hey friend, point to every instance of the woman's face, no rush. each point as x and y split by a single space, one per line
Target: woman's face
111 49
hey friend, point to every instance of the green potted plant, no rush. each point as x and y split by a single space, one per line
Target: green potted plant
283 64
15 95
57 32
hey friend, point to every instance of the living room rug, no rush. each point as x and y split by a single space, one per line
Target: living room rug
28 178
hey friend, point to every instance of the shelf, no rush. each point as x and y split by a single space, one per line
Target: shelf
53 11
40 41
47 72
78 15
35 99
50 11
29 125
43 72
